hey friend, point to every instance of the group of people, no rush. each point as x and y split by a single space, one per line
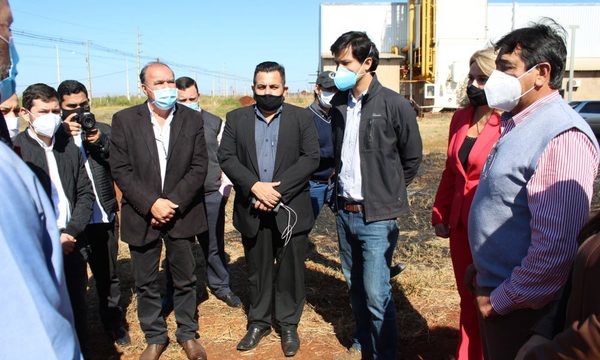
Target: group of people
513 198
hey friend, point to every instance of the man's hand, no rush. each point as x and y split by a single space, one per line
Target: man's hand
442 230
163 210
68 243
259 205
92 135
483 304
265 193
71 126
155 223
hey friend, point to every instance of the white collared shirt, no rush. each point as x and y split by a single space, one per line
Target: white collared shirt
162 137
99 216
350 177
62 209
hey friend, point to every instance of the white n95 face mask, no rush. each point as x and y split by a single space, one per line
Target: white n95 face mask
47 124
325 98
503 91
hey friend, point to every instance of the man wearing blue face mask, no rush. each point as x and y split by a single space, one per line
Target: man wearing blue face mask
158 159
378 151
320 180
535 190
216 193
58 164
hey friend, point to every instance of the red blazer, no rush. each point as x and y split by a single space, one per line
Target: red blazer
457 187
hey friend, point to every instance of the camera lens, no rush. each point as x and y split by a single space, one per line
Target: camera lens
87 121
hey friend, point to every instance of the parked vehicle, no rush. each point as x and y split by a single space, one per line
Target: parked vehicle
590 111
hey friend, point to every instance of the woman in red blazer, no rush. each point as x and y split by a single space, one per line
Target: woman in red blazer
474 129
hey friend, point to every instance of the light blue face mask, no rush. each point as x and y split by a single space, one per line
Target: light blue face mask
344 79
8 85
165 98
192 105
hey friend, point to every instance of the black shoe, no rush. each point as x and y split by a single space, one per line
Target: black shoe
253 337
231 299
395 270
290 342
120 336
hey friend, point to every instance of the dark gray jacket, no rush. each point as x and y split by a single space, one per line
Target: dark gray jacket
98 155
71 169
212 126
390 148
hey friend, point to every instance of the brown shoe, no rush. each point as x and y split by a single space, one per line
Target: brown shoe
153 351
193 349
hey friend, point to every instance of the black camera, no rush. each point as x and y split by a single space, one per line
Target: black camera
86 119
83 116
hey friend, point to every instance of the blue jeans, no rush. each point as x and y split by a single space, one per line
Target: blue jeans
319 195
366 254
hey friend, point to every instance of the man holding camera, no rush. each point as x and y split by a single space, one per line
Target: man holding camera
93 140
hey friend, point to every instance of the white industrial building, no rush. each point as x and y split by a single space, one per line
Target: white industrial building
441 35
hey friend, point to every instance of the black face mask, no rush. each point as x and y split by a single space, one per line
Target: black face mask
476 96
268 102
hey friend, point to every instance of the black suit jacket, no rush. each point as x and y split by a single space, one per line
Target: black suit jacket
296 159
135 167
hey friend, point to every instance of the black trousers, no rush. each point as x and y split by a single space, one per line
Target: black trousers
75 266
104 248
145 260
213 248
275 276
213 244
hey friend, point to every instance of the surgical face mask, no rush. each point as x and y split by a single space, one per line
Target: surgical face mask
476 96
8 85
504 91
325 98
192 105
165 98
12 123
46 124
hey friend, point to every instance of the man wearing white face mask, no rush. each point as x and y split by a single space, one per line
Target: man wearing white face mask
58 164
158 159
320 180
10 110
534 192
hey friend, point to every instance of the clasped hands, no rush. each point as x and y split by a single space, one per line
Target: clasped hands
266 196
162 212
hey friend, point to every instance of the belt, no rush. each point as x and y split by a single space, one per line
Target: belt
353 207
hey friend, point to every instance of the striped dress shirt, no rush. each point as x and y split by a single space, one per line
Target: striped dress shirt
558 211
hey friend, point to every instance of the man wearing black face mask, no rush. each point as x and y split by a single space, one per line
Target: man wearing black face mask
269 151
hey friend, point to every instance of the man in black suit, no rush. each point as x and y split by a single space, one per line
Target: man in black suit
158 159
269 150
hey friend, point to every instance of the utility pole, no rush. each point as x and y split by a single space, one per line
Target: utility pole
57 66
89 69
139 53
127 79
572 61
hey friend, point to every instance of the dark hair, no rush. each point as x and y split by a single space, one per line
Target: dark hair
268 66
38 91
592 227
185 82
69 87
145 68
362 47
540 42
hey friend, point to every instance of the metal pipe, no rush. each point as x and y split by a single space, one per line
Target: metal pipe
572 61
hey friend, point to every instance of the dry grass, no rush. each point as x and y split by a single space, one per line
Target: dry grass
424 293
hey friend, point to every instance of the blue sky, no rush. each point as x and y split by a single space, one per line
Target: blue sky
201 39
